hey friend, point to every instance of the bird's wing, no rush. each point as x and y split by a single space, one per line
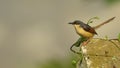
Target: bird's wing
89 29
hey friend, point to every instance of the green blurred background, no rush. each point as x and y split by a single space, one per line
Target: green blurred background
36 34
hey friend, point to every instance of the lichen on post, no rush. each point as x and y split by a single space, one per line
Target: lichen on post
101 53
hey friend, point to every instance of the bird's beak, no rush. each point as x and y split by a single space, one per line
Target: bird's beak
71 23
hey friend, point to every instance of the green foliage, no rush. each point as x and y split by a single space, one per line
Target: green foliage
74 62
110 2
79 41
52 64
56 64
91 20
119 36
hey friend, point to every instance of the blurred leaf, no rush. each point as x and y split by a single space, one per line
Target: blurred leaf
91 20
110 2
95 17
74 62
56 64
52 64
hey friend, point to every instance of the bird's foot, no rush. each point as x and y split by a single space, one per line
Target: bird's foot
85 42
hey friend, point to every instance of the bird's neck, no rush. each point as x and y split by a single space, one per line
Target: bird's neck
77 28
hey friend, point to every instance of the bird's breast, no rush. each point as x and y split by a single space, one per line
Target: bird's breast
83 33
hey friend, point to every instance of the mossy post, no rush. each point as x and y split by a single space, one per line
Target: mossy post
101 53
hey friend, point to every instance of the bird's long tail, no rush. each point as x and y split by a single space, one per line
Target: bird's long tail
104 23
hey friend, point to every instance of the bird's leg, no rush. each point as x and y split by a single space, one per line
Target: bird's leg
87 41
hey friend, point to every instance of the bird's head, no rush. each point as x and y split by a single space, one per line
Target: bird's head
77 22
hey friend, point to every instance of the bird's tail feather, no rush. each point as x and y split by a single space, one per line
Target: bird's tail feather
104 23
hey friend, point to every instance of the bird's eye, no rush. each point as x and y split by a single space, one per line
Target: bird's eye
77 23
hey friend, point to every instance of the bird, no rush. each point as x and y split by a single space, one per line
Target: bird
85 30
